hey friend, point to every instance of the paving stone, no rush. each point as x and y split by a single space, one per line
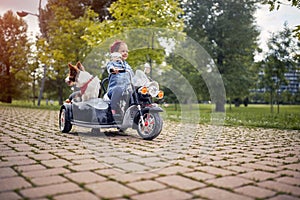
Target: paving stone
110 189
17 163
77 196
113 160
180 182
229 182
132 177
88 166
26 168
12 183
132 167
9 196
217 194
44 156
220 163
290 173
85 177
289 180
261 167
284 197
291 166
110 172
40 181
255 192
55 163
199 176
239 169
50 190
45 173
84 161
280 187
215 170
173 170
259 175
7 172
167 194
146 186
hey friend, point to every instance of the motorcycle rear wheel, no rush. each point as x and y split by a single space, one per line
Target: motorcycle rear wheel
152 126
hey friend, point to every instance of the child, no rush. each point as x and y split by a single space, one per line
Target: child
118 82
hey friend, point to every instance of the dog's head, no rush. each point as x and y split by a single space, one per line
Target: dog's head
74 70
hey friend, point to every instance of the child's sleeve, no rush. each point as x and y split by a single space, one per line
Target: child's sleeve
109 66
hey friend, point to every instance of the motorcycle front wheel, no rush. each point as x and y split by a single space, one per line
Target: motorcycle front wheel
152 126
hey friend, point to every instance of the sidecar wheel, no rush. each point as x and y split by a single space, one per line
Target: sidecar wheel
64 123
152 127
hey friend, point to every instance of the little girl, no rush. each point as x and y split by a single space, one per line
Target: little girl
118 82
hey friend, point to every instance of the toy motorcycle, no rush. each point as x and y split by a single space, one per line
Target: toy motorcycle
139 111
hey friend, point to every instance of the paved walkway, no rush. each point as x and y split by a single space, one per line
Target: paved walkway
184 162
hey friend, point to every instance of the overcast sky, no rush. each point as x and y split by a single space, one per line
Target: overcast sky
267 21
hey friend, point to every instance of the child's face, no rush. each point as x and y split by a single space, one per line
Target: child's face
123 50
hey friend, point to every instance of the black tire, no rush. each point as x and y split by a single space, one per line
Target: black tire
64 123
152 127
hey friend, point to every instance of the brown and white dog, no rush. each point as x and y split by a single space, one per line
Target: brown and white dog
89 85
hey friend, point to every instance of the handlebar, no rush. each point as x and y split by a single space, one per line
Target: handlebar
120 70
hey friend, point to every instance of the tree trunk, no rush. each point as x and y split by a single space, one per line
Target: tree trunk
220 106
271 100
60 93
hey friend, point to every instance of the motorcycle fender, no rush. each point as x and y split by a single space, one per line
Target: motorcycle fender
145 110
152 109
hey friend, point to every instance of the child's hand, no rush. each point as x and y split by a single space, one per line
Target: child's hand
114 70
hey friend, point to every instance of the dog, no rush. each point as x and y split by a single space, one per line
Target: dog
89 85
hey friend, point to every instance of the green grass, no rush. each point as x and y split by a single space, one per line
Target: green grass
251 116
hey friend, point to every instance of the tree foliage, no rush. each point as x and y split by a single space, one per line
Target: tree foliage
280 59
64 23
133 16
276 4
14 49
226 30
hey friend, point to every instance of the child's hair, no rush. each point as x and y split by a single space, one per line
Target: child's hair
116 45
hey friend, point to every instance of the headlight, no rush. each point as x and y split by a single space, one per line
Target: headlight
143 90
160 94
153 89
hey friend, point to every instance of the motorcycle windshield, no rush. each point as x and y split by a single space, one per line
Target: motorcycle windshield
140 79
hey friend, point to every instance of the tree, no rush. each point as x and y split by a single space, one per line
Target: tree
276 4
279 60
62 24
14 48
227 31
130 15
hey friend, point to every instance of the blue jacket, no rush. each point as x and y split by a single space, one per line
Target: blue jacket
118 80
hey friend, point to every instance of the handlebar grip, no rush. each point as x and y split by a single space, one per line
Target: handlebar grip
119 70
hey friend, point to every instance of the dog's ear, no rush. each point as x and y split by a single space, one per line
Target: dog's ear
70 66
73 67
80 66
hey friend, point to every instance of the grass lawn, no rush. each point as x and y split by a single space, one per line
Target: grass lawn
251 116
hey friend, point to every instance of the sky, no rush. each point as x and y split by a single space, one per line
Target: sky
267 22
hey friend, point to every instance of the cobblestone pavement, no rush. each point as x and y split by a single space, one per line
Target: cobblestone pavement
39 162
